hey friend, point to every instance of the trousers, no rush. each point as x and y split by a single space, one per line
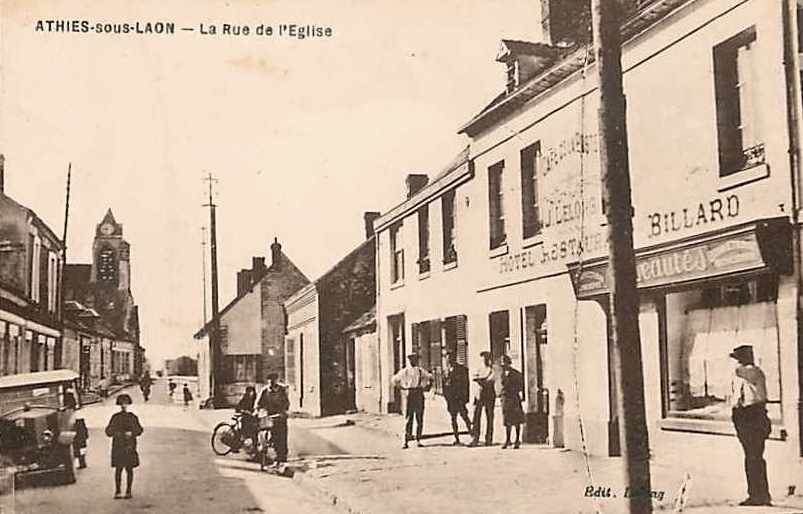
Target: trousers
415 409
486 403
752 429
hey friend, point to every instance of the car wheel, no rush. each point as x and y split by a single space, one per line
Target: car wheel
69 464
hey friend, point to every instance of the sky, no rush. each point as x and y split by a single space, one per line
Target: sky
303 135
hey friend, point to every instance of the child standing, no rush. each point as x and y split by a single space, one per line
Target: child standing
124 428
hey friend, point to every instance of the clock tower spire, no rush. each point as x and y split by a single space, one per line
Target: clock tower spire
110 255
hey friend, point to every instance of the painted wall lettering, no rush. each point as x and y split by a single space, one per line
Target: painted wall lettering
705 213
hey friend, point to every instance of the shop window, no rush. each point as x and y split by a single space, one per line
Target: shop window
735 79
702 328
496 202
397 254
447 210
531 223
423 239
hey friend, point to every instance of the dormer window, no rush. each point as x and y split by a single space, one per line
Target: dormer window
512 75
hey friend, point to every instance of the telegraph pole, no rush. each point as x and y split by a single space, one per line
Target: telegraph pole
203 260
616 195
216 356
59 351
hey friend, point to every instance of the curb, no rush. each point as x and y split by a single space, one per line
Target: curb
315 488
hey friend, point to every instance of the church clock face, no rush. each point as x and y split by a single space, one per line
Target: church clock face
107 268
107 229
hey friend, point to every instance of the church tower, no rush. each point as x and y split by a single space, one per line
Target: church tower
111 267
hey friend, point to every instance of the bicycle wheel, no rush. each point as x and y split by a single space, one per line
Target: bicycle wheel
222 438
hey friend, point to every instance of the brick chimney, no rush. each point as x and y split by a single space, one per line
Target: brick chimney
257 267
415 182
243 281
275 254
369 218
566 22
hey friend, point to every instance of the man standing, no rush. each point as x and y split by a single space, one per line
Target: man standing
413 380
484 399
749 400
455 391
273 399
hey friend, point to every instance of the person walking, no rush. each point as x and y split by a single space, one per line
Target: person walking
749 402
512 393
171 387
413 380
145 386
274 400
455 391
124 428
484 399
81 432
187 395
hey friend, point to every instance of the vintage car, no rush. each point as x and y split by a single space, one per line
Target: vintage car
37 423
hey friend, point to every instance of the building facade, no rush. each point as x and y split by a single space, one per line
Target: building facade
319 356
716 231
30 289
252 326
361 335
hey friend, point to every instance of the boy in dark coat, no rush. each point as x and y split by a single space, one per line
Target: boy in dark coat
124 428
455 391
273 399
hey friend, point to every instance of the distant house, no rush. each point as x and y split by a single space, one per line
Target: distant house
320 357
361 336
182 366
252 326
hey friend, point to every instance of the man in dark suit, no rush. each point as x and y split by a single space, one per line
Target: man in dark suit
455 391
749 401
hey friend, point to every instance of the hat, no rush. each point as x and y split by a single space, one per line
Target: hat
743 353
123 399
485 354
412 355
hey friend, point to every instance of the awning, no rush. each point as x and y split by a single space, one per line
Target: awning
759 246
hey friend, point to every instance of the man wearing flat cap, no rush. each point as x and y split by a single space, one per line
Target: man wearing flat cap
273 399
749 402
413 380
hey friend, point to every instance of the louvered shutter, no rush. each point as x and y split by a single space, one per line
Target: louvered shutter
462 340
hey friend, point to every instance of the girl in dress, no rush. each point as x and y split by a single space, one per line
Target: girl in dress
124 428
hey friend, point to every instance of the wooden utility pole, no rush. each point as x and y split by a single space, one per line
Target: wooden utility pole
203 271
616 197
215 353
59 357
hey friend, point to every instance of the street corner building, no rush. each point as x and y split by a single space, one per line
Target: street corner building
252 327
101 318
320 346
506 249
30 287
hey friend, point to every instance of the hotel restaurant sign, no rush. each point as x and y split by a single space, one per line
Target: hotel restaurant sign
762 245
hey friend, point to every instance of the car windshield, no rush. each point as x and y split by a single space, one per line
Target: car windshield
44 395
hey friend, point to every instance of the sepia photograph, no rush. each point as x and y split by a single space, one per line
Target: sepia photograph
476 256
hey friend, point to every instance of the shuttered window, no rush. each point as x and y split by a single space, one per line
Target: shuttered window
290 365
496 204
531 224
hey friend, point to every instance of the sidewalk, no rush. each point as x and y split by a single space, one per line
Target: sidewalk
381 477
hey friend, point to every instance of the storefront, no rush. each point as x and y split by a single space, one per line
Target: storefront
701 297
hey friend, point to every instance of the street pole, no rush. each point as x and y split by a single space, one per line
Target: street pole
60 307
616 197
203 273
214 332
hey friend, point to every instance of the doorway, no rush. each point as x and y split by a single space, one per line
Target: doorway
351 389
396 324
535 336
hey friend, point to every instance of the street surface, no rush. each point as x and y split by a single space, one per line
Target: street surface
179 473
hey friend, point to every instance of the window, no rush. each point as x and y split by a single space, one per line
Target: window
241 368
531 221
36 250
423 239
427 343
455 340
397 254
52 282
702 328
496 205
290 365
447 209
107 267
738 124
